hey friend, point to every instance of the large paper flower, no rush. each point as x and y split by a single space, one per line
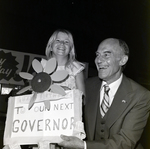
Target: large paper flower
43 80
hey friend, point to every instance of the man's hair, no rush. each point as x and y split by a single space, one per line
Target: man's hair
125 49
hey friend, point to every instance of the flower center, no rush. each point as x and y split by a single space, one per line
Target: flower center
41 82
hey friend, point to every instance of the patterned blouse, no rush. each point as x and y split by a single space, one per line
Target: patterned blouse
73 70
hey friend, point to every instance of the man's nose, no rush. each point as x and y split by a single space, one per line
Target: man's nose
100 59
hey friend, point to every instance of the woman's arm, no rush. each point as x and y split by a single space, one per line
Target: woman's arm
80 82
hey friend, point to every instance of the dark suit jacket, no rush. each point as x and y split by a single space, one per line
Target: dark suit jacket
126 117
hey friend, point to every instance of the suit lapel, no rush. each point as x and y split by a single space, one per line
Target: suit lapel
92 109
120 102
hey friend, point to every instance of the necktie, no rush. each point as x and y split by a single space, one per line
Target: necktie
105 101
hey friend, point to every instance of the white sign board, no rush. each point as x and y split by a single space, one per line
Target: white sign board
24 126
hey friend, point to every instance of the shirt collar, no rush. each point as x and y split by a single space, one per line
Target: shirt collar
114 85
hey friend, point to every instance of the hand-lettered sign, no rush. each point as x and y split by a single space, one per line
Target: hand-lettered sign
24 126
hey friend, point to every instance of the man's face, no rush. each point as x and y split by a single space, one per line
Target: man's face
108 60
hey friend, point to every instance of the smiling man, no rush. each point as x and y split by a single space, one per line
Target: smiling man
117 108
110 57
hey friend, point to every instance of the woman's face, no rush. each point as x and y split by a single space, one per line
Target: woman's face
61 45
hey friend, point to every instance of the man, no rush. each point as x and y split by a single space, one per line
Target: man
114 118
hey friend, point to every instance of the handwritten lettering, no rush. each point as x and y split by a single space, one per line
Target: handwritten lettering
18 109
63 106
5 71
42 125
40 109
2 61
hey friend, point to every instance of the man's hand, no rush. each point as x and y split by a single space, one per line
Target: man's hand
71 142
6 147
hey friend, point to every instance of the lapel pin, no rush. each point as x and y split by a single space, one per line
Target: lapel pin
123 101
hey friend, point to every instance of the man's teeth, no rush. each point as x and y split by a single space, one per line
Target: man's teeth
102 67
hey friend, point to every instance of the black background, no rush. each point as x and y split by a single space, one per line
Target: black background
26 25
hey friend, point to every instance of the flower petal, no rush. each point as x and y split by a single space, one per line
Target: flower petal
26 75
50 65
57 89
32 100
24 90
47 104
37 66
59 75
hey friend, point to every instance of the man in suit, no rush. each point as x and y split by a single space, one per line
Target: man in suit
114 119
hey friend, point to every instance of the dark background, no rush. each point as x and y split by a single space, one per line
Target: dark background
26 25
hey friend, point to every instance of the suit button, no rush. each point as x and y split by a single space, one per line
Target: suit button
102 123
102 138
102 130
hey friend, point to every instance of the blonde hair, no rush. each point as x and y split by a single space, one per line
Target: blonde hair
48 51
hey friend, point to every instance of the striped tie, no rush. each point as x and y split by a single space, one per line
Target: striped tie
105 101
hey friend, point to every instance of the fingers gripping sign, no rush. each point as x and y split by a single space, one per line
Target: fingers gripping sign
71 142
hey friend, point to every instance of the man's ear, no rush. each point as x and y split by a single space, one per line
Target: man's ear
123 60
